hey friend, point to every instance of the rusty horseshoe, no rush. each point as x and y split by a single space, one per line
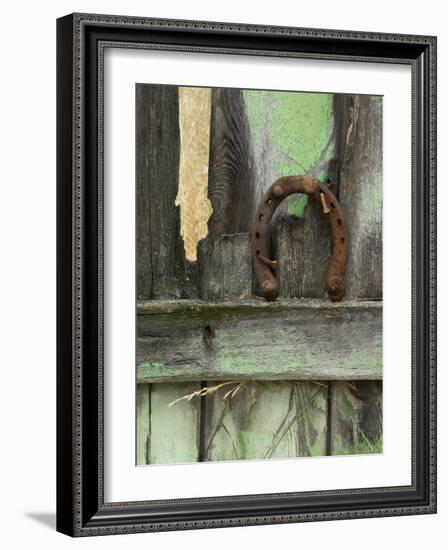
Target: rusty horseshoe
263 265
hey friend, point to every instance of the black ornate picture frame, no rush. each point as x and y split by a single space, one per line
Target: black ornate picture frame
81 508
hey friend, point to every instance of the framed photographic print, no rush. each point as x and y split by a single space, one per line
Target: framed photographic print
246 274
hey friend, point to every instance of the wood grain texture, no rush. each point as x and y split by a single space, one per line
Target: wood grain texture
256 340
162 269
143 250
302 249
231 172
174 429
143 416
226 267
361 193
266 420
224 259
356 417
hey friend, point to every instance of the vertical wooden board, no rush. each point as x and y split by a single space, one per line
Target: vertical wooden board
268 420
143 251
143 422
159 242
174 429
361 193
294 133
356 417
302 249
226 267
231 174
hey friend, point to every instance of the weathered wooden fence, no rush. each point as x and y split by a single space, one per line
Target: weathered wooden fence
297 377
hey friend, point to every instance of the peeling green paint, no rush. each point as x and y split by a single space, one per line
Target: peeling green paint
296 207
299 126
292 132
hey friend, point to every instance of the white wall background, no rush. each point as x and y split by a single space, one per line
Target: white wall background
27 274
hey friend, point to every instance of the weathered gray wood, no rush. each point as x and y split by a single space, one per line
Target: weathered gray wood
356 417
143 252
231 174
361 193
162 270
143 415
302 248
258 340
253 420
226 267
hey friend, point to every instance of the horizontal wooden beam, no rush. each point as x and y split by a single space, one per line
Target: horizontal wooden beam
190 340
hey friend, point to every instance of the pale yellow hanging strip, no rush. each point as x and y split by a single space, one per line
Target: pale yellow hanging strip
195 207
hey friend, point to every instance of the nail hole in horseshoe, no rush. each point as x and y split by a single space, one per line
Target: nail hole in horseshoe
340 222
342 240
332 205
257 235
257 252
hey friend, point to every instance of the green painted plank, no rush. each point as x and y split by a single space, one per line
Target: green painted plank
356 417
174 429
253 420
143 422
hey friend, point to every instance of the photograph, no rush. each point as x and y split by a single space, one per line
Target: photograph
259 283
